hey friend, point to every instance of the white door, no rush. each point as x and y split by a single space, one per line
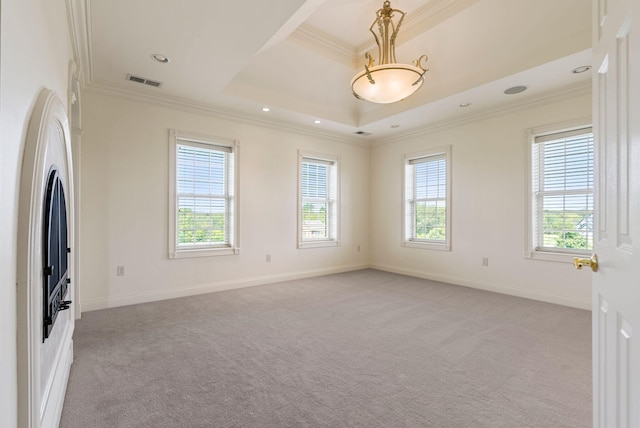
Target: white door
616 284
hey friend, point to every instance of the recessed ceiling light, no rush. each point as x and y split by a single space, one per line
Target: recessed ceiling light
317 122
515 90
266 109
465 105
582 69
395 126
160 58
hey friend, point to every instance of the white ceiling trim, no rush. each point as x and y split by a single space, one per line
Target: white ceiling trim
572 91
71 21
415 23
579 89
190 106
79 16
420 21
294 22
326 44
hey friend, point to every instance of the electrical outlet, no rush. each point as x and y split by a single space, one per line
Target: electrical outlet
269 258
485 261
120 270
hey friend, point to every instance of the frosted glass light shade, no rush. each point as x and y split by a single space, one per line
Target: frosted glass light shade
393 82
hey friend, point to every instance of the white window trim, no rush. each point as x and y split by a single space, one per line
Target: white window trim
530 251
178 253
333 242
431 245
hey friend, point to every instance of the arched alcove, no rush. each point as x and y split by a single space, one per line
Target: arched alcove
43 365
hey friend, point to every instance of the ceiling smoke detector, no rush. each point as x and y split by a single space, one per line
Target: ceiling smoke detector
144 81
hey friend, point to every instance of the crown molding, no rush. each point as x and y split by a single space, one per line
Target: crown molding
80 30
89 26
326 44
189 106
571 91
415 23
73 33
422 20
183 104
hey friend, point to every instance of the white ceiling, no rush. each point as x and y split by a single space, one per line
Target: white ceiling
298 56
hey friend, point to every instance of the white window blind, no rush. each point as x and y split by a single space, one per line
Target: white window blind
562 191
204 197
426 206
318 205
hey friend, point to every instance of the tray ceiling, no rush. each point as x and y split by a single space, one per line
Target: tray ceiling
298 56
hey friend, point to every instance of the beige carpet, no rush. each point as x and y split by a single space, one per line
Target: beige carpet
360 349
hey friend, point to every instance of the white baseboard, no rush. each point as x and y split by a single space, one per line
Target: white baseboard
133 299
112 302
51 407
491 286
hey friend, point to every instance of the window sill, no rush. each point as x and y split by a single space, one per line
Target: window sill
318 244
554 257
427 245
203 252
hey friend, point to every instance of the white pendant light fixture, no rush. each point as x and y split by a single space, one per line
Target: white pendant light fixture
387 82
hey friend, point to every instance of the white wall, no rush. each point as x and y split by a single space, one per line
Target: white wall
488 208
124 207
34 54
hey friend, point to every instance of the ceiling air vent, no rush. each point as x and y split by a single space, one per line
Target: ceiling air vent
362 133
149 82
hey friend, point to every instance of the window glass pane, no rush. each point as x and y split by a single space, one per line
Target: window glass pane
314 220
568 221
202 220
200 171
314 180
431 179
430 220
568 164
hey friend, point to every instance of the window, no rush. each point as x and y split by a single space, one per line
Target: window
561 193
427 195
317 200
203 196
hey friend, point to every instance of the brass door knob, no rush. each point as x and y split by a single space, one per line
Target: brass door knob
593 262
